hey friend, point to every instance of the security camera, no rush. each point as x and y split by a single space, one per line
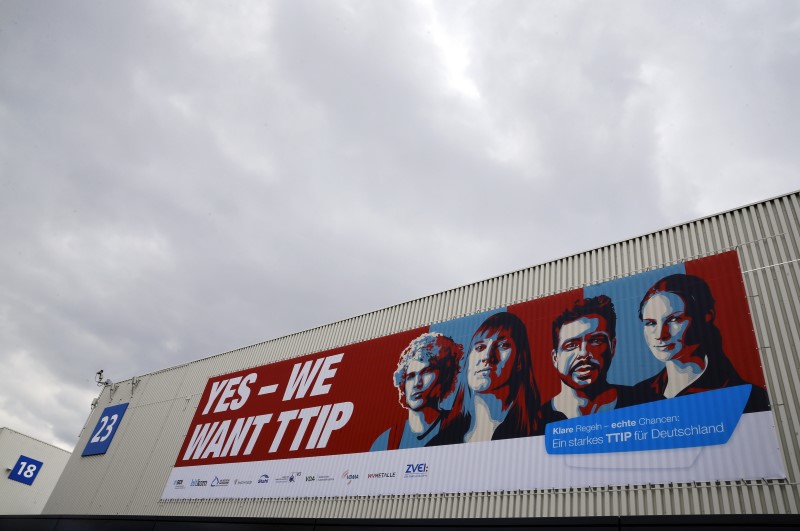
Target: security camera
98 378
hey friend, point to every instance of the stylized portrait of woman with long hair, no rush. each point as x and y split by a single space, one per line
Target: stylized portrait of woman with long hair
496 397
677 315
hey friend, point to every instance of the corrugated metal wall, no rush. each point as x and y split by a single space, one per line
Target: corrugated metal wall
19 498
131 477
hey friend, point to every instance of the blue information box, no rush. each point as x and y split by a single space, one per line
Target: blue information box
26 470
700 419
103 432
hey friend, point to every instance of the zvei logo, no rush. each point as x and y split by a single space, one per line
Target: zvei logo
263 479
416 470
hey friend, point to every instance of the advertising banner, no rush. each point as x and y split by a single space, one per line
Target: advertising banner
651 378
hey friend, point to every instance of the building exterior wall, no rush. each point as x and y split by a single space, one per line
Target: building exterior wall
17 497
131 476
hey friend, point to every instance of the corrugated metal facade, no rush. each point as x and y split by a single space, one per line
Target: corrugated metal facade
130 478
19 498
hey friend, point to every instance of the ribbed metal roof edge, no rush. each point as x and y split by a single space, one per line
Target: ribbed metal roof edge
552 261
34 439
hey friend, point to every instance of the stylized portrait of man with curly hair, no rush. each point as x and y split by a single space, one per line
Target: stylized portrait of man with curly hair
425 376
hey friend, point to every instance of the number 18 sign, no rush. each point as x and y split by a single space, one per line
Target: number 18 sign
25 470
103 432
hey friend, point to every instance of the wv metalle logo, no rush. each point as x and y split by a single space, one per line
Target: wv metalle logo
381 475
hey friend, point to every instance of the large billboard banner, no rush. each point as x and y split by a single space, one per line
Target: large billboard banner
651 378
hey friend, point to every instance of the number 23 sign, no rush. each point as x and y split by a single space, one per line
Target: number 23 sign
103 432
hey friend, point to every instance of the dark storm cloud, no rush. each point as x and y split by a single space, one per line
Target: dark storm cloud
181 179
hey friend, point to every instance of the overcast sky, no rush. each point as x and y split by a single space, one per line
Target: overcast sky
180 179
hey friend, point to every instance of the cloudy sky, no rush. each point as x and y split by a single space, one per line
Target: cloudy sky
180 179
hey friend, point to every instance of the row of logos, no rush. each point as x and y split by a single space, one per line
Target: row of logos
412 470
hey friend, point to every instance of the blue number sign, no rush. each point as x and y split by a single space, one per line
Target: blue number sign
25 470
103 432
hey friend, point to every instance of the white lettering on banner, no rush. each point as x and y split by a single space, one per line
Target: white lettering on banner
225 438
691 431
315 433
258 423
213 439
224 391
326 424
304 374
305 417
340 414
200 437
222 405
321 388
617 436
268 389
216 389
218 439
659 420
243 391
284 419
237 436
215 446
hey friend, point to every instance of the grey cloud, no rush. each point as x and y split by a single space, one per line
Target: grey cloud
181 179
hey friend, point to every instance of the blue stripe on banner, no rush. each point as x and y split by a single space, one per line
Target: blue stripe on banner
633 361
701 419
461 330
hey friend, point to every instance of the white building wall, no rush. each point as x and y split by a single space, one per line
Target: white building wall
130 478
19 498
